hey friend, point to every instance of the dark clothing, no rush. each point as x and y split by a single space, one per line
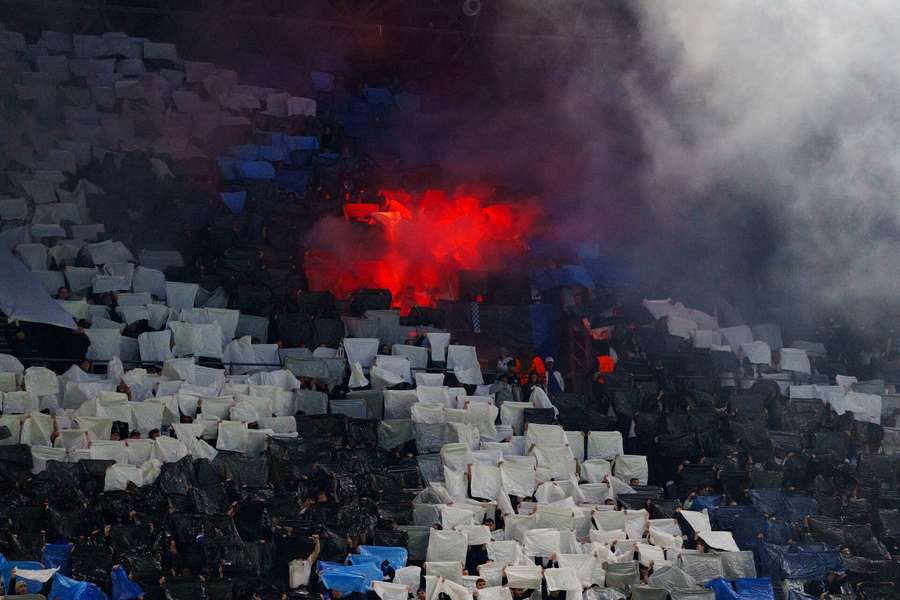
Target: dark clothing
477 555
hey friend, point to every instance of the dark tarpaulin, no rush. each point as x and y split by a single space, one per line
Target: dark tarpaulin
545 329
786 442
243 470
798 561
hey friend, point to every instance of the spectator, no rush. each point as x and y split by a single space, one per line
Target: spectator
555 383
505 363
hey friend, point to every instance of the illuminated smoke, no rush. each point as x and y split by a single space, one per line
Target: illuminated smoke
421 241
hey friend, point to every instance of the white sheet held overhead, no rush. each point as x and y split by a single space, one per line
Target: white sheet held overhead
438 341
23 297
361 350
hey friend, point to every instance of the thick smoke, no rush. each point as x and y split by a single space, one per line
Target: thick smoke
783 116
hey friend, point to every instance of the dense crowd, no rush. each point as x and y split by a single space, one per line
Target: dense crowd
270 442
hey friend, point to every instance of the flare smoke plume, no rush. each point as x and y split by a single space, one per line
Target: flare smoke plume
784 115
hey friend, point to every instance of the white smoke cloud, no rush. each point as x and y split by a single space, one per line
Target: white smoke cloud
790 109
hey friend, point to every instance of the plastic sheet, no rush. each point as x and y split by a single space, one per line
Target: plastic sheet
646 592
627 467
623 575
524 577
446 546
785 562
606 445
702 567
737 564
671 578
562 579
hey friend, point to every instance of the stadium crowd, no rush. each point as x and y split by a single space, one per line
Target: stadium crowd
269 442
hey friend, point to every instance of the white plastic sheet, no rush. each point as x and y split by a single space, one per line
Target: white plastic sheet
562 579
41 455
720 540
450 570
119 476
149 281
446 546
146 416
197 339
434 395
558 460
631 466
542 542
518 479
11 364
456 456
232 436
513 415
20 403
758 353
23 297
97 428
105 343
476 535
109 252
463 514
34 256
505 552
865 407
495 592
470 376
604 444
537 434
464 357
361 350
167 449
382 379
485 481
398 403
524 576
390 591
736 336
586 567
664 539
181 295
37 429
429 379
680 327
794 359
438 342
8 382
41 381
417 355
427 413
357 377
409 575
636 522
80 278
155 346
399 365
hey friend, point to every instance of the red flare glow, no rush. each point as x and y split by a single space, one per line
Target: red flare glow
415 246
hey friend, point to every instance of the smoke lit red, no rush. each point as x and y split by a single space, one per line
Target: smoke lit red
419 241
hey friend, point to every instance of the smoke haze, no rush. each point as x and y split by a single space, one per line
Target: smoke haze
784 115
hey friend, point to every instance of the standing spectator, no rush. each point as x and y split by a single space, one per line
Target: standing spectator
555 382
